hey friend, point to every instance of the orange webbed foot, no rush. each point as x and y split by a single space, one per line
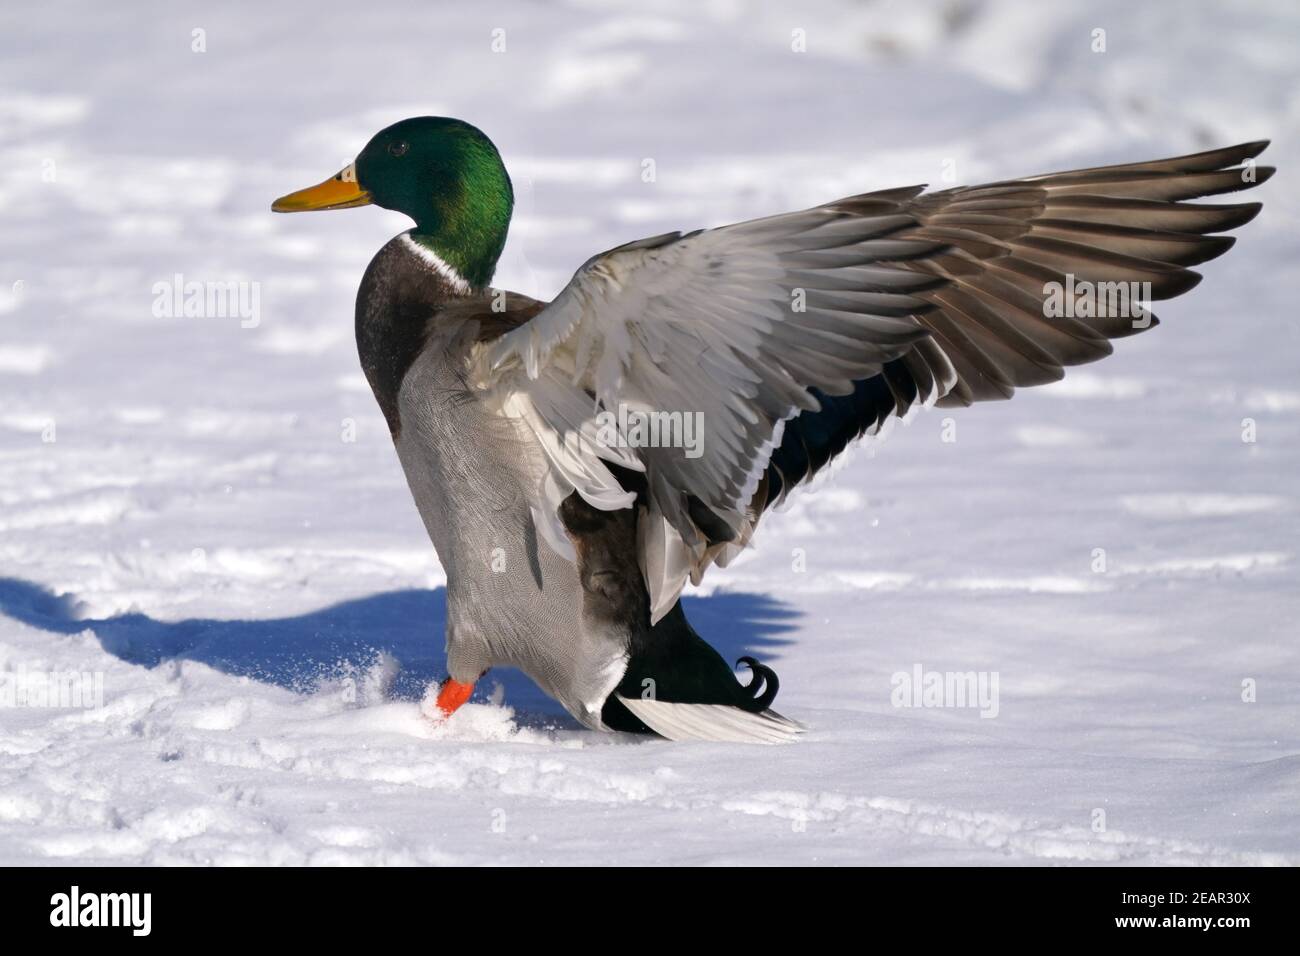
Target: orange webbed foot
451 695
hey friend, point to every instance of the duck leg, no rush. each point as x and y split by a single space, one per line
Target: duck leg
451 695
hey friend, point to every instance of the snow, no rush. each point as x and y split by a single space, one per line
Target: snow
208 513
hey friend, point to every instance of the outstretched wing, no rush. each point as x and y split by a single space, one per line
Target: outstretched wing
1012 241
788 337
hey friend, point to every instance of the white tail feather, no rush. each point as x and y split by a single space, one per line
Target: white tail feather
720 722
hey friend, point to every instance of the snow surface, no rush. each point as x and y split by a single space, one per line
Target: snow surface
259 596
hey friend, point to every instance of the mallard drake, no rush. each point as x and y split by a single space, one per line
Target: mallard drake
568 528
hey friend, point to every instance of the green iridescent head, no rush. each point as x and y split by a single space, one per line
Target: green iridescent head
443 173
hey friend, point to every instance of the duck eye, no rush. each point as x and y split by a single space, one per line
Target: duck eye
398 149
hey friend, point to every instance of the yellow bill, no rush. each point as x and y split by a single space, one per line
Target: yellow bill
341 191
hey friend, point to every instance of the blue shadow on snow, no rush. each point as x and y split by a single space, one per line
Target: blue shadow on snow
297 652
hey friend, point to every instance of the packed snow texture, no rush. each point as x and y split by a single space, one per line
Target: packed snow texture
206 513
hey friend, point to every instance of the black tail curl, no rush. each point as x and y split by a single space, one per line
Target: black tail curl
762 687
